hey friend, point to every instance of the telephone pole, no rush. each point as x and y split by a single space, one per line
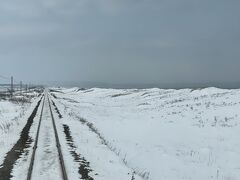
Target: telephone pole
21 87
11 85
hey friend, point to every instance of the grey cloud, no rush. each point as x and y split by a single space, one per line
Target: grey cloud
143 41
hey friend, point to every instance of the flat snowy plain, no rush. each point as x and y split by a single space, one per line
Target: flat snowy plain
133 134
160 134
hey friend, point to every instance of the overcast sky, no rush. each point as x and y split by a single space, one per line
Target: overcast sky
120 41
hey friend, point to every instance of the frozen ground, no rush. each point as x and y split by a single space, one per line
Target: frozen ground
13 117
161 134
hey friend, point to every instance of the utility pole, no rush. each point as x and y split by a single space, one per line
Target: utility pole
21 87
11 85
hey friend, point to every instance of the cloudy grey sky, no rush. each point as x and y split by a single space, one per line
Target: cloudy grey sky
120 41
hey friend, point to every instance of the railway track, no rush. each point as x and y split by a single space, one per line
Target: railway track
47 148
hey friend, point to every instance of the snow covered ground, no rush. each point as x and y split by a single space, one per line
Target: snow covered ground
160 134
13 116
47 153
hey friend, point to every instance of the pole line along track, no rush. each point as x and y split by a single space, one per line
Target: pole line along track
61 160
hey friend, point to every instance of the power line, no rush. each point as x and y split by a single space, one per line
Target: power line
3 77
16 81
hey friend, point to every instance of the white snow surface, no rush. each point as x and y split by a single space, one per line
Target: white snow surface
170 134
13 117
47 165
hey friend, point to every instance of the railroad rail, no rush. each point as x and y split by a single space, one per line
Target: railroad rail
58 145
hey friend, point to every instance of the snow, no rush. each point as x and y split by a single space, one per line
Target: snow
170 134
90 151
21 167
112 133
47 165
13 117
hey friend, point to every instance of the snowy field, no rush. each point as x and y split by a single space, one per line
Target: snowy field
160 134
13 117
